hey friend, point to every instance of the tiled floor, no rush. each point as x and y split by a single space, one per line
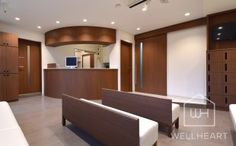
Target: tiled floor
40 120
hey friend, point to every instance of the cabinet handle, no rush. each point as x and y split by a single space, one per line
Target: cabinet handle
29 64
141 65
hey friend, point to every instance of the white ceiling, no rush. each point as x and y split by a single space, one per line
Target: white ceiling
102 12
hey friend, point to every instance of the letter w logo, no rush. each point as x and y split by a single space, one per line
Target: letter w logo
198 113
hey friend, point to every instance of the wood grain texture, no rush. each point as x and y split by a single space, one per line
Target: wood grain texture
8 39
9 82
108 127
154 65
156 109
222 76
29 83
126 66
216 19
80 35
180 26
80 83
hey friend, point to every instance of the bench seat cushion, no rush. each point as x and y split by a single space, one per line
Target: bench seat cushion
175 111
10 132
232 110
148 129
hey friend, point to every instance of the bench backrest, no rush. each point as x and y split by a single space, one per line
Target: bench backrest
108 127
153 108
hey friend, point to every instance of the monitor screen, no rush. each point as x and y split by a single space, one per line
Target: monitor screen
71 61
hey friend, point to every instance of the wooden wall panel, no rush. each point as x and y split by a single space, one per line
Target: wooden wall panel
80 83
216 19
80 35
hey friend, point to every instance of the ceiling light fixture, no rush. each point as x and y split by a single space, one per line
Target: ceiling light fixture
146 5
220 27
58 22
112 22
39 27
218 38
187 14
219 34
17 18
138 28
85 20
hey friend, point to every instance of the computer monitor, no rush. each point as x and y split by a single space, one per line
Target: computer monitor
71 61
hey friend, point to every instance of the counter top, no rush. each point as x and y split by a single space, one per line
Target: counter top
80 69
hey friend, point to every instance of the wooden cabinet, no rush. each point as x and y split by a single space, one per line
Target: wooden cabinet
8 39
2 91
222 76
8 67
8 87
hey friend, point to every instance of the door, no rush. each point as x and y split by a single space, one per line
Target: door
11 59
151 65
12 86
126 66
88 61
2 91
2 40
2 59
29 66
11 40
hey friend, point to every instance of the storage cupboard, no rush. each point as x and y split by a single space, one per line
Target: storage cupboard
221 75
8 67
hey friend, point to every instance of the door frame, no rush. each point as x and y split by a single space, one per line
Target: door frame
40 56
131 59
91 60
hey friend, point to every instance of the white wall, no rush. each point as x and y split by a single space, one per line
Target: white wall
186 62
213 6
115 52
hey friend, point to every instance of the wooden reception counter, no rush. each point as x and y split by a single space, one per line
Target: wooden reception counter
81 83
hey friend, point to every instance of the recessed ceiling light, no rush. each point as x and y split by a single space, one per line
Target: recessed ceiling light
112 22
39 27
219 34
58 22
218 38
220 27
145 7
17 18
85 20
138 28
187 14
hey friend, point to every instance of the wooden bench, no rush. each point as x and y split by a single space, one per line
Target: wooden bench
110 126
10 132
160 110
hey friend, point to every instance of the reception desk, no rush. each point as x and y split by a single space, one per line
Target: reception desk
81 83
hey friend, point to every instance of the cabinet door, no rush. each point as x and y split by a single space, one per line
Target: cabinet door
12 85
12 59
2 59
11 40
2 39
2 91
